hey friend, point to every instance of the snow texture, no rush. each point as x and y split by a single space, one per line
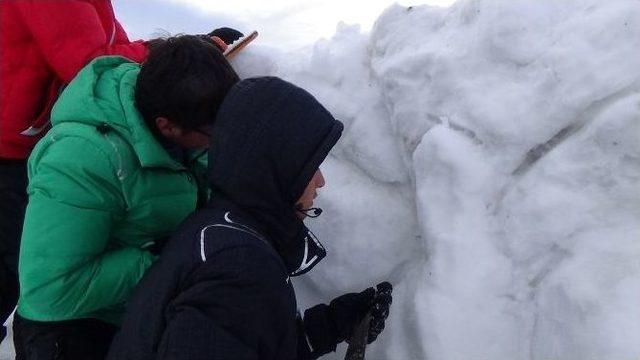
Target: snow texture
490 168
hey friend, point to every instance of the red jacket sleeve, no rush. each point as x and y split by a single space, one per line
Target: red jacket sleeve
70 34
123 39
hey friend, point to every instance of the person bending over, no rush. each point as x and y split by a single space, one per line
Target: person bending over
115 175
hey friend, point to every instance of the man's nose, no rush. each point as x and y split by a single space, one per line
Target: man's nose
320 182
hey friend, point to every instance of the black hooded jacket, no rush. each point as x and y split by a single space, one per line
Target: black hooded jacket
221 288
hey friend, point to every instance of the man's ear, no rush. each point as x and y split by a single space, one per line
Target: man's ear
168 129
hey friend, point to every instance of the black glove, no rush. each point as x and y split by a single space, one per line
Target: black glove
380 310
328 325
228 35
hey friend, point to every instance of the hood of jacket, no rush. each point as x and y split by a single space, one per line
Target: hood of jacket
269 139
103 95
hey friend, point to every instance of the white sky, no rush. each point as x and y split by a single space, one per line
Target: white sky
281 23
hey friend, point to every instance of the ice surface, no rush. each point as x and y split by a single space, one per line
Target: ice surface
490 168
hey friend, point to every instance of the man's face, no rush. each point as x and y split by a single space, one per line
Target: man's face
192 140
187 139
310 192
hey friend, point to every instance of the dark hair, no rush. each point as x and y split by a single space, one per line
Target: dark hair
185 79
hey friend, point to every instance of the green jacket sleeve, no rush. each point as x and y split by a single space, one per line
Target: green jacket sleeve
69 268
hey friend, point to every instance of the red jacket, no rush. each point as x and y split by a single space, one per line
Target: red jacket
43 44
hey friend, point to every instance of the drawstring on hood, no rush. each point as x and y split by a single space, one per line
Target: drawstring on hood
311 212
269 139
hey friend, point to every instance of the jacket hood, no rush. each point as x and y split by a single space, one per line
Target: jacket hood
103 95
269 138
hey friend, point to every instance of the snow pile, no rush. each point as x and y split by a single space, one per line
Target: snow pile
490 168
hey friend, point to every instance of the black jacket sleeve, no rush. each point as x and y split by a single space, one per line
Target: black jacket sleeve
304 346
191 334
236 305
318 332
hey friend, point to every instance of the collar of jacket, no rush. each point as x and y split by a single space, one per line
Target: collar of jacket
299 254
103 95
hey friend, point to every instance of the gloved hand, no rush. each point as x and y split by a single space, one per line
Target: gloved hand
228 35
380 310
328 325
222 37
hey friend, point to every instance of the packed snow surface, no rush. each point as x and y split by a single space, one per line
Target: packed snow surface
490 168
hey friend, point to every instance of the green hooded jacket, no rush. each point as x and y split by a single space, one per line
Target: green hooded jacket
101 189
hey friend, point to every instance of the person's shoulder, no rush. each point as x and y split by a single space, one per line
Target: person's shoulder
85 146
210 235
219 237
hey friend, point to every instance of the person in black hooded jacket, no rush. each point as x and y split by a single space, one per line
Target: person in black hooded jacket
221 288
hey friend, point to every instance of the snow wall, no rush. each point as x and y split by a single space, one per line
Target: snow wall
490 169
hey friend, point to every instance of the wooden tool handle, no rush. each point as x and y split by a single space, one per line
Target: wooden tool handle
358 341
239 44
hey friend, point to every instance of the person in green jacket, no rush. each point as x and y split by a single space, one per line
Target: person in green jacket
116 174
